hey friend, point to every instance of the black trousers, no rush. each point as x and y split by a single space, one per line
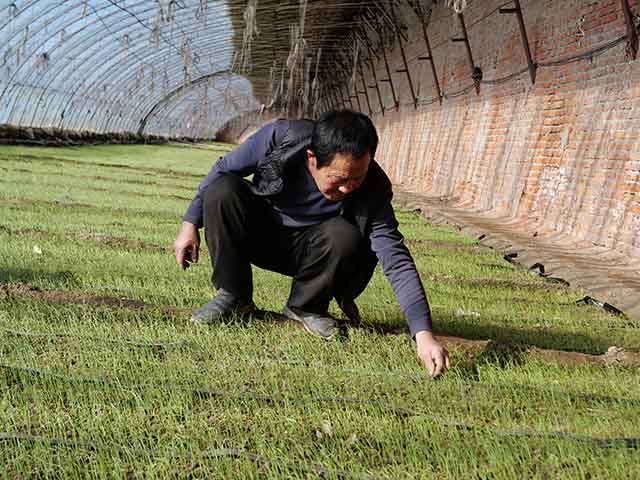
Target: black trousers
327 260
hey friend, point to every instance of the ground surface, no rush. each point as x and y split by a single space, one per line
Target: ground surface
102 374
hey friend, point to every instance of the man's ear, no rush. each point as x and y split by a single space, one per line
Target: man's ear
311 159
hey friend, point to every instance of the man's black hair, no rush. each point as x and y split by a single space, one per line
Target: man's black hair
343 132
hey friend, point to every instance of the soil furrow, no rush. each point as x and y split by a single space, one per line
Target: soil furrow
614 356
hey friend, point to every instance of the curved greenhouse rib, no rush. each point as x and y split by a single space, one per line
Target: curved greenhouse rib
178 91
138 44
102 65
43 98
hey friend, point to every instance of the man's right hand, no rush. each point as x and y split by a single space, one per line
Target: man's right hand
187 245
433 355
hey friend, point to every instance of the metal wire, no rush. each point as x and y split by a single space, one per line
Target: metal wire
210 453
404 375
14 373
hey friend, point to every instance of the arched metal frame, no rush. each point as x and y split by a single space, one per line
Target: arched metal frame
103 65
93 80
181 91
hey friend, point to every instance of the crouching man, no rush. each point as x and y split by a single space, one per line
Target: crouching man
317 209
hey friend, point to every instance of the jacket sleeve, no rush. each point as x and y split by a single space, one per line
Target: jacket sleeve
242 161
397 263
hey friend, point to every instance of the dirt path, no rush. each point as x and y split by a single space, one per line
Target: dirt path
614 356
609 276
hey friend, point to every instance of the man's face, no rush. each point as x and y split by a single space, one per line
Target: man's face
341 176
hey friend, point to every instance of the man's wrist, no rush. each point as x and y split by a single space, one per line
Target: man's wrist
424 336
188 226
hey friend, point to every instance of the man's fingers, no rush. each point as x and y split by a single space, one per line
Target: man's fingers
439 363
428 362
447 363
195 251
180 256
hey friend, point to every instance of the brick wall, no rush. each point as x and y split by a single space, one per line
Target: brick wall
560 156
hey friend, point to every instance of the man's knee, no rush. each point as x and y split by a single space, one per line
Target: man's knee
340 237
224 188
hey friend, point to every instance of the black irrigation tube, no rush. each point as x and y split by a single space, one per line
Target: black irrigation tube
211 453
574 396
16 333
107 382
613 442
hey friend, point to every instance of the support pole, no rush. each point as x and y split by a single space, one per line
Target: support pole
632 34
390 79
348 97
362 35
339 97
357 97
430 58
404 57
476 73
323 102
525 39
330 100
375 79
364 86
334 100
341 93
327 98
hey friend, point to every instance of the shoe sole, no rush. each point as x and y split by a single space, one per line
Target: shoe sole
287 312
236 311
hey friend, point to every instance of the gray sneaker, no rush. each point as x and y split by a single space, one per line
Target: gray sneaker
223 305
324 326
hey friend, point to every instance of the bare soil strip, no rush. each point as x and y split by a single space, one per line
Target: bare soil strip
20 289
614 356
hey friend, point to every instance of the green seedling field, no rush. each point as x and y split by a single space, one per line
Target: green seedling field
102 375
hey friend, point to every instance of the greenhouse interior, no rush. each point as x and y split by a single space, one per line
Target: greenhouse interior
508 132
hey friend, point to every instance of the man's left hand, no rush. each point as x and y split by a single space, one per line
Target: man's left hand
433 355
